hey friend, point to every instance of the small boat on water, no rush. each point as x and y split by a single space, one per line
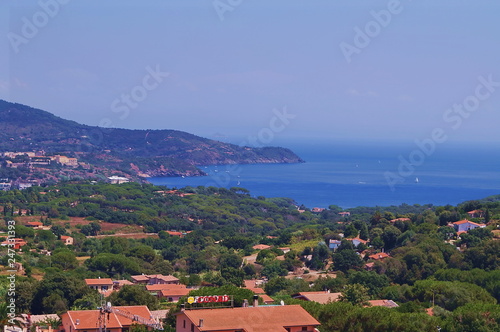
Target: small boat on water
416 180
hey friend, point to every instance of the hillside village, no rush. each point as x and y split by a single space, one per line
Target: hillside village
21 170
152 251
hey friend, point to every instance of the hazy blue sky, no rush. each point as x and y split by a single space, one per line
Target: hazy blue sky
230 64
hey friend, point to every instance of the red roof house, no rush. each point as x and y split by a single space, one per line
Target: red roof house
379 256
14 243
120 320
476 214
154 279
466 225
320 297
291 318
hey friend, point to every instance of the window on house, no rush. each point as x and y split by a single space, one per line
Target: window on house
184 324
304 328
192 327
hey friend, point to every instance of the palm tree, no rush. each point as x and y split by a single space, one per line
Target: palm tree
6 319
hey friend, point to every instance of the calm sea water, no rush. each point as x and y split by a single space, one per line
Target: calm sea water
351 175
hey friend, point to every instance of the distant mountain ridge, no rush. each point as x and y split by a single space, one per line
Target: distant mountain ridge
143 152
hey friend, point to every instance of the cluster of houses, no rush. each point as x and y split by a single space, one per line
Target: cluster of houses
18 243
255 318
164 287
33 159
39 159
250 318
8 184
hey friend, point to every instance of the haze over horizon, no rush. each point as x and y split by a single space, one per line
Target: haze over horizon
343 71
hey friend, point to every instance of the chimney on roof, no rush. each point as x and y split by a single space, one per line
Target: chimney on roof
245 303
77 322
200 324
183 307
256 300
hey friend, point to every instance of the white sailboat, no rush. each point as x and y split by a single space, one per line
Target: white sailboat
416 180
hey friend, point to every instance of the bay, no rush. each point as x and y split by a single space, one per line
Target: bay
350 175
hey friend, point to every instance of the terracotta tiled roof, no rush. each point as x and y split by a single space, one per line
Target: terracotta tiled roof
252 319
358 239
257 290
380 255
175 292
122 282
140 277
465 221
253 283
89 319
320 297
167 278
102 281
383 303
266 298
143 277
160 287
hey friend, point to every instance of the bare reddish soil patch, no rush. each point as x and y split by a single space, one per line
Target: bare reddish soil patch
73 221
131 236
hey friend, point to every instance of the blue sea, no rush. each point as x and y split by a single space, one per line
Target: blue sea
369 174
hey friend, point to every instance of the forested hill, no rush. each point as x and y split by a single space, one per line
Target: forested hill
23 128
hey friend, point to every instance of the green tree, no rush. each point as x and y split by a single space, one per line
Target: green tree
474 317
64 259
58 231
25 291
133 295
373 281
6 319
113 264
63 288
276 285
90 301
233 276
46 236
350 231
345 260
364 234
355 294
390 237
